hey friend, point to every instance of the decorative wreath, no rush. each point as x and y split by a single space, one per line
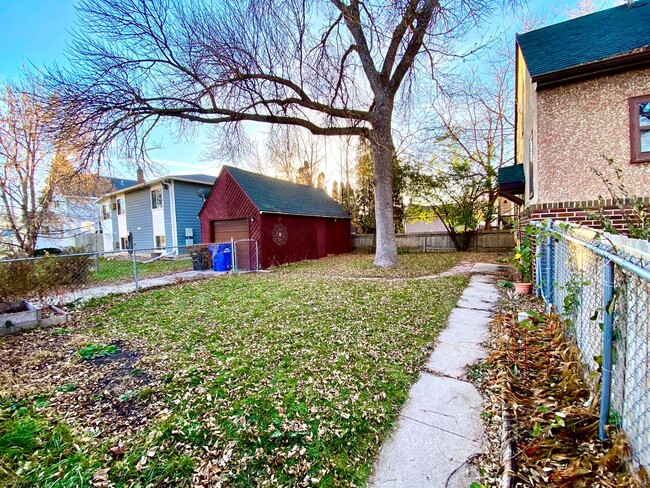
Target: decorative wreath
280 234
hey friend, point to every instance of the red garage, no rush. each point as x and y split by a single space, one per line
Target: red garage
290 222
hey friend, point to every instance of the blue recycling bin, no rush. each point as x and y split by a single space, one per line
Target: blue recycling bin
221 257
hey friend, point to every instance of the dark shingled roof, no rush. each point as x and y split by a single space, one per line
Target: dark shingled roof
121 183
278 196
199 178
594 37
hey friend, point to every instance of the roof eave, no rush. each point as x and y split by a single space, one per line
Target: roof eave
140 186
624 62
263 212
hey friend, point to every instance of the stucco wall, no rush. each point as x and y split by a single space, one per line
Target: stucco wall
577 124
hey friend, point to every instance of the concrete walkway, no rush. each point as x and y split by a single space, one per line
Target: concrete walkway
439 430
143 284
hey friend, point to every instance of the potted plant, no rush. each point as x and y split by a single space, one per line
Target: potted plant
523 261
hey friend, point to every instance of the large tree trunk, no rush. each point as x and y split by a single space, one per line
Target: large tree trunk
491 209
383 151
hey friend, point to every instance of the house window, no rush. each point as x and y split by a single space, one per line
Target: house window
124 242
120 206
106 211
156 198
640 129
160 241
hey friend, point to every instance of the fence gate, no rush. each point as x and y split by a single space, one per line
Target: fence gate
246 257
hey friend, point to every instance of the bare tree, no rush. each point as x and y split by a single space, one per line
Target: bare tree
335 68
478 123
34 165
295 154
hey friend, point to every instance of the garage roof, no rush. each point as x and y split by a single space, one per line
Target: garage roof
272 195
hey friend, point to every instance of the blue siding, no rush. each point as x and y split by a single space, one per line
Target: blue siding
188 204
138 214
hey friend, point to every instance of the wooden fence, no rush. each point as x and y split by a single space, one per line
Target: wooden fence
484 240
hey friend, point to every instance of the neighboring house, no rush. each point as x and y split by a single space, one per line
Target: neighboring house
290 222
582 92
162 213
73 220
418 224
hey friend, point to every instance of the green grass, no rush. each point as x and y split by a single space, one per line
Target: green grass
114 270
361 265
53 459
262 380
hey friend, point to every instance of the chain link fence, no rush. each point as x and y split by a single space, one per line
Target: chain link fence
246 254
64 278
602 290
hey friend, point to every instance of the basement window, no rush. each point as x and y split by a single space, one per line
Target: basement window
640 129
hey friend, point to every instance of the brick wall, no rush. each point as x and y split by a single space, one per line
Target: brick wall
577 212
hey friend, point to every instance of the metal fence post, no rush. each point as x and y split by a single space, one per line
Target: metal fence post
257 256
549 264
135 271
233 261
608 325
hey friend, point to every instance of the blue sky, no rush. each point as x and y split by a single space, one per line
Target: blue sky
36 32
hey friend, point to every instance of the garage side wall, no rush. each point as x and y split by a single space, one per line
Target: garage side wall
227 201
287 238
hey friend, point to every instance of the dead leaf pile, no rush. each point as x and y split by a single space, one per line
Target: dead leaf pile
536 373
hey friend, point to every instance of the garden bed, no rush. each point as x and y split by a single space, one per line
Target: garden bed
535 386
24 315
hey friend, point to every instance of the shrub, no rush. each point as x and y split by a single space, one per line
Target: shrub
29 278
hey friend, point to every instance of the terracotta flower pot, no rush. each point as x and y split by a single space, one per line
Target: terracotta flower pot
523 288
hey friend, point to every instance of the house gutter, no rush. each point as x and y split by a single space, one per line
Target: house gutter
306 215
638 58
153 182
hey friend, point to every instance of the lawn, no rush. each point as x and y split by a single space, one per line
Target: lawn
285 378
115 270
360 265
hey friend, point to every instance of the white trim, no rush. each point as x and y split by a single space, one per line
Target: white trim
172 215
122 230
157 214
